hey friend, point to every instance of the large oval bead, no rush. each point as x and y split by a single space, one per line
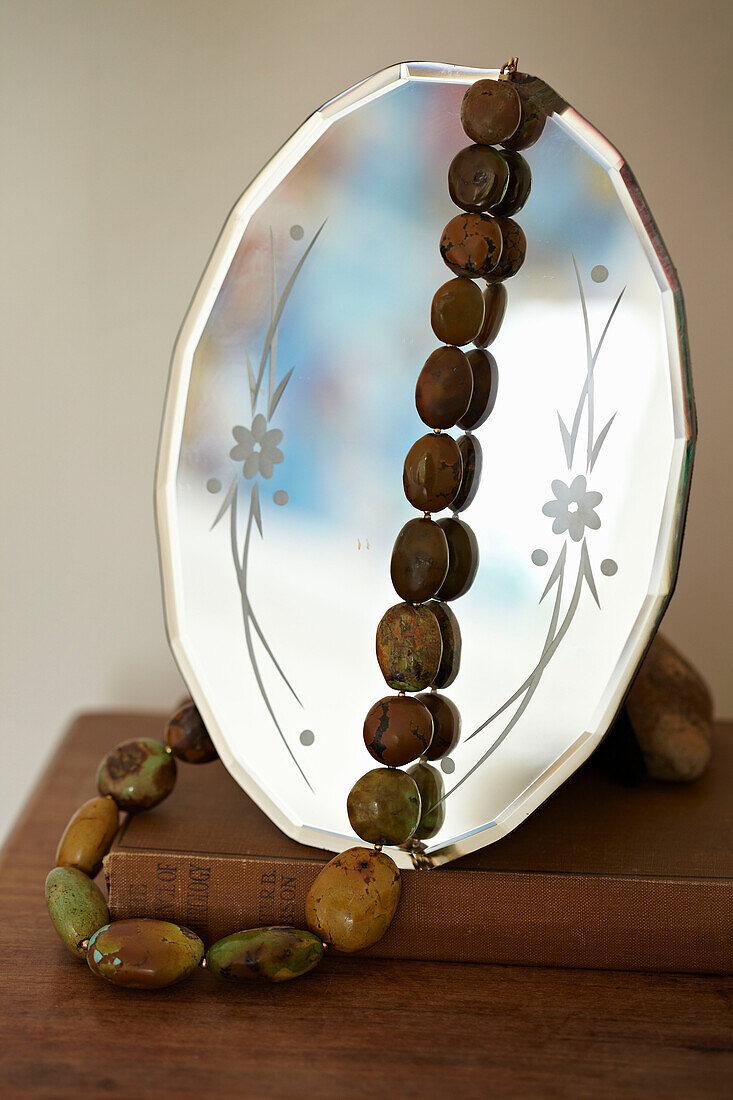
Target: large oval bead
450 634
419 560
432 788
495 302
353 900
409 647
490 111
137 774
462 559
457 311
274 954
446 724
485 388
432 472
477 178
384 807
397 729
76 907
472 456
89 833
444 388
518 187
471 245
144 954
187 737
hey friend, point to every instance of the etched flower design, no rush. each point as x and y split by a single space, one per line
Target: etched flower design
573 508
257 447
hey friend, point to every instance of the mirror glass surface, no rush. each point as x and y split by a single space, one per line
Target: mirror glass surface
290 411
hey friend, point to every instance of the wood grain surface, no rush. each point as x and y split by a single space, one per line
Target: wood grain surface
354 1027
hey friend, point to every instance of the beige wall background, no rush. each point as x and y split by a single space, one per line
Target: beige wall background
128 129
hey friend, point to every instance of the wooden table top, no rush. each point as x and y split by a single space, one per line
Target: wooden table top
354 1027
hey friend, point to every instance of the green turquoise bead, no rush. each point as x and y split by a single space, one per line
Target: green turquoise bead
144 954
353 900
275 954
76 907
137 774
384 807
432 788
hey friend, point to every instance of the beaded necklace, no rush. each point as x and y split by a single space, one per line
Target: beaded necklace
352 902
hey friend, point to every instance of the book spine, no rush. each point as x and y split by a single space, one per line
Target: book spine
520 918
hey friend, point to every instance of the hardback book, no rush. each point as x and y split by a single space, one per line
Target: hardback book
607 874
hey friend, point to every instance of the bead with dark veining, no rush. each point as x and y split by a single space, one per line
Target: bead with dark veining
457 311
432 788
91 830
533 117
397 730
462 559
76 907
272 954
471 245
432 472
472 456
450 634
490 111
444 387
495 300
409 647
144 954
446 724
485 388
187 737
353 900
137 774
419 560
384 806
518 187
477 178
513 252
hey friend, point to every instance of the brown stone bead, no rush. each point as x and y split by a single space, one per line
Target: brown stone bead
432 473
457 312
495 299
533 117
472 456
384 806
450 634
187 737
144 953
518 188
90 831
485 386
419 560
446 724
354 898
397 730
462 559
513 252
491 111
477 178
137 774
444 387
409 647
471 245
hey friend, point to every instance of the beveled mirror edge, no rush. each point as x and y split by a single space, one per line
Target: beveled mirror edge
668 547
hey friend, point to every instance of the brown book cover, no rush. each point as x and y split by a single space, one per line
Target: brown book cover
603 875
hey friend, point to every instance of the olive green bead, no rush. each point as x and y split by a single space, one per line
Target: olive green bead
431 787
384 807
144 954
354 898
409 647
76 907
273 954
137 774
450 634
88 835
